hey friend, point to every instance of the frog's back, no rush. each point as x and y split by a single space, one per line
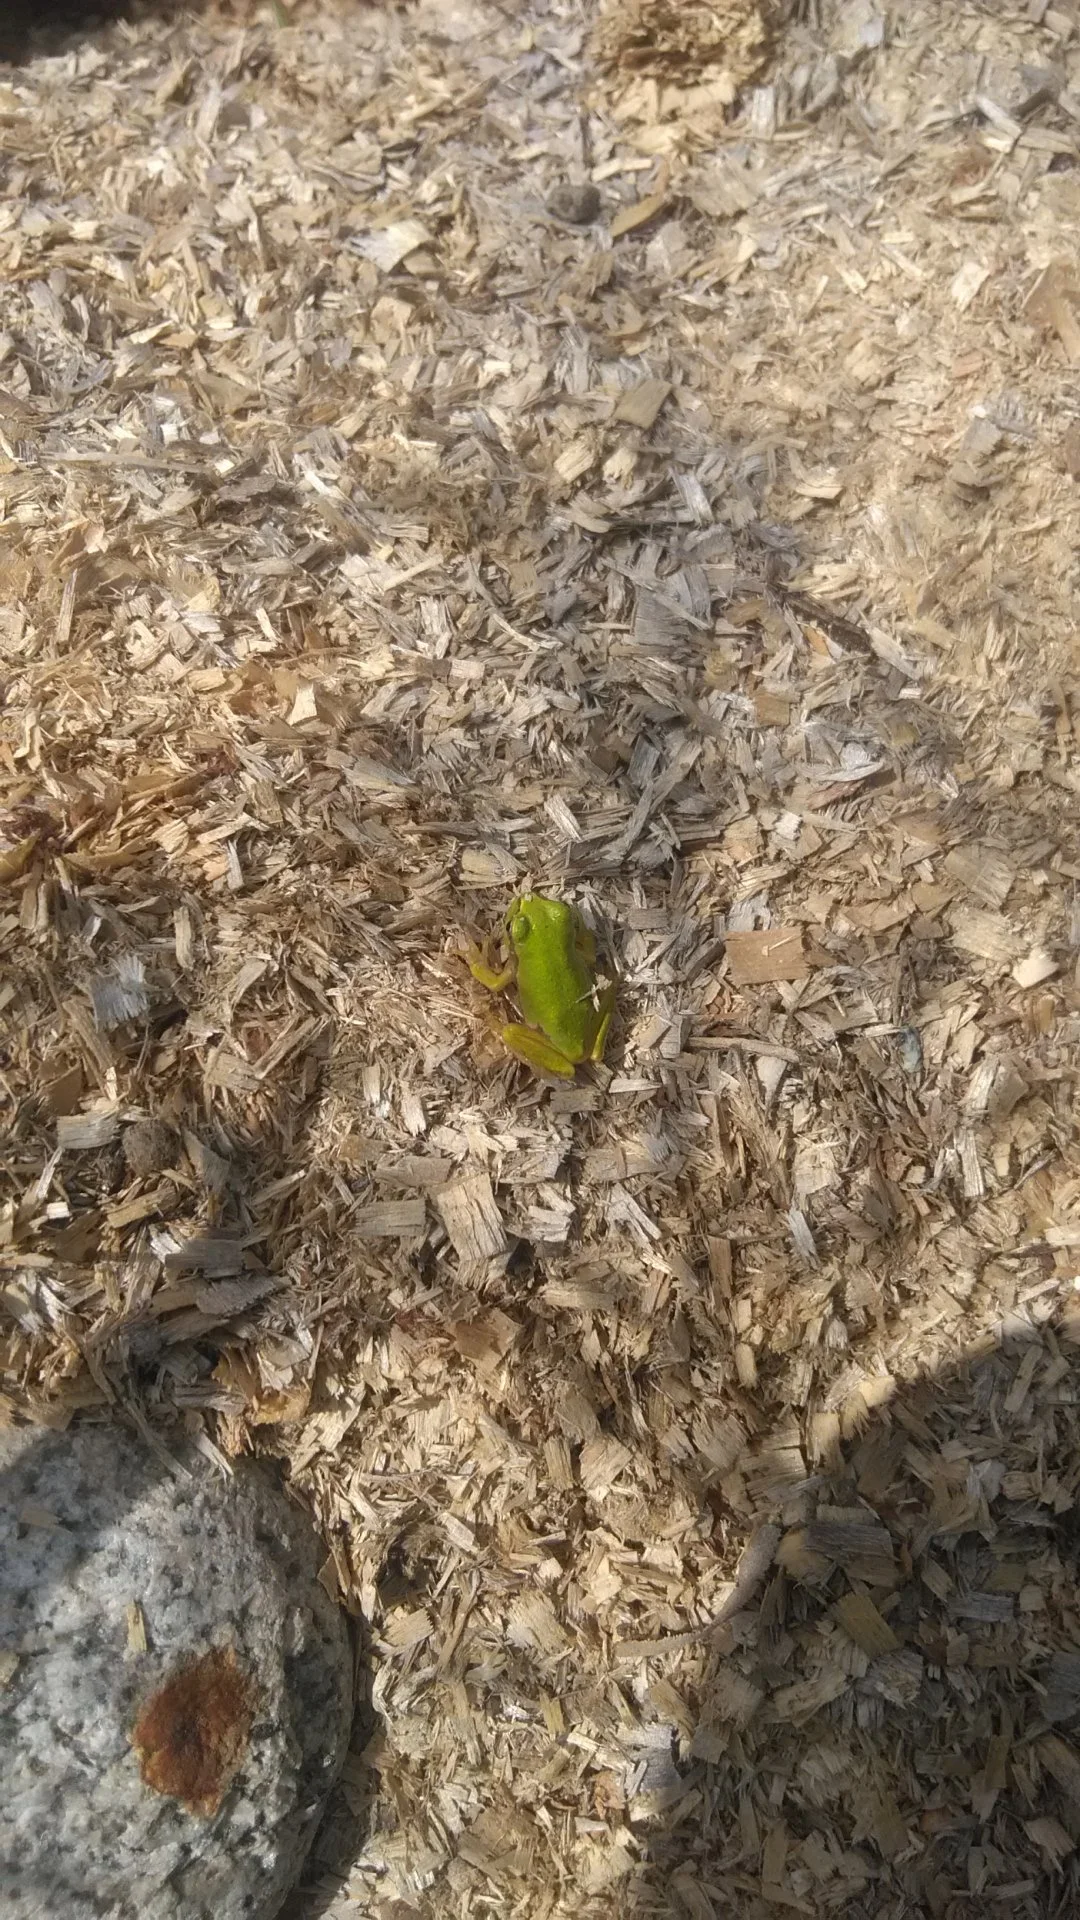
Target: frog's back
556 974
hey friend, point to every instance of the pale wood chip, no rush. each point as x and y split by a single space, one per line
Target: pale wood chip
602 1461
485 1340
405 1630
863 1623
800 1702
1062 1683
470 1214
389 246
1036 967
986 935
638 214
1054 301
773 954
85 1131
390 1219
415 1170
1063 1762
984 872
639 406
532 1622
211 1253
1051 1838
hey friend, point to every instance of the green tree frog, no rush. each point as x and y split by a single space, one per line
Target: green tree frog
551 964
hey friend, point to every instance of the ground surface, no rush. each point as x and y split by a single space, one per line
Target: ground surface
380 536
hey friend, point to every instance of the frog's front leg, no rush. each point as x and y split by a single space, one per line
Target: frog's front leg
537 1051
495 978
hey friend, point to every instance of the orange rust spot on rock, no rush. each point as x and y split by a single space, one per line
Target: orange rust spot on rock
192 1734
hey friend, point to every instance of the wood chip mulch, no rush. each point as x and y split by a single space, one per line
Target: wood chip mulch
452 449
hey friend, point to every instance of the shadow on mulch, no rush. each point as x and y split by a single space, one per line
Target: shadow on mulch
887 1728
29 27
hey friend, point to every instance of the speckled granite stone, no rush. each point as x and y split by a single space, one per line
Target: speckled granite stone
175 1685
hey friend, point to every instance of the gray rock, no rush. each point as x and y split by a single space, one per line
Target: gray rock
150 1146
577 202
175 1684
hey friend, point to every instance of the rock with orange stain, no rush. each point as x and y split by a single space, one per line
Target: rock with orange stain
192 1734
178 1684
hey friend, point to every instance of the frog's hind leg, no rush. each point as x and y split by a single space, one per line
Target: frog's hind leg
536 1051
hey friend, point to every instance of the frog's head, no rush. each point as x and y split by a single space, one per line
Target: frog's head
521 919
531 915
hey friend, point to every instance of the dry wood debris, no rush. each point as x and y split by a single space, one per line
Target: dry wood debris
677 38
434 462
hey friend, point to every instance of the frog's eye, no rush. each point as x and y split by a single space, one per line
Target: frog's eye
520 928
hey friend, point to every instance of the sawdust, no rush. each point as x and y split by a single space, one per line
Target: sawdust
388 525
